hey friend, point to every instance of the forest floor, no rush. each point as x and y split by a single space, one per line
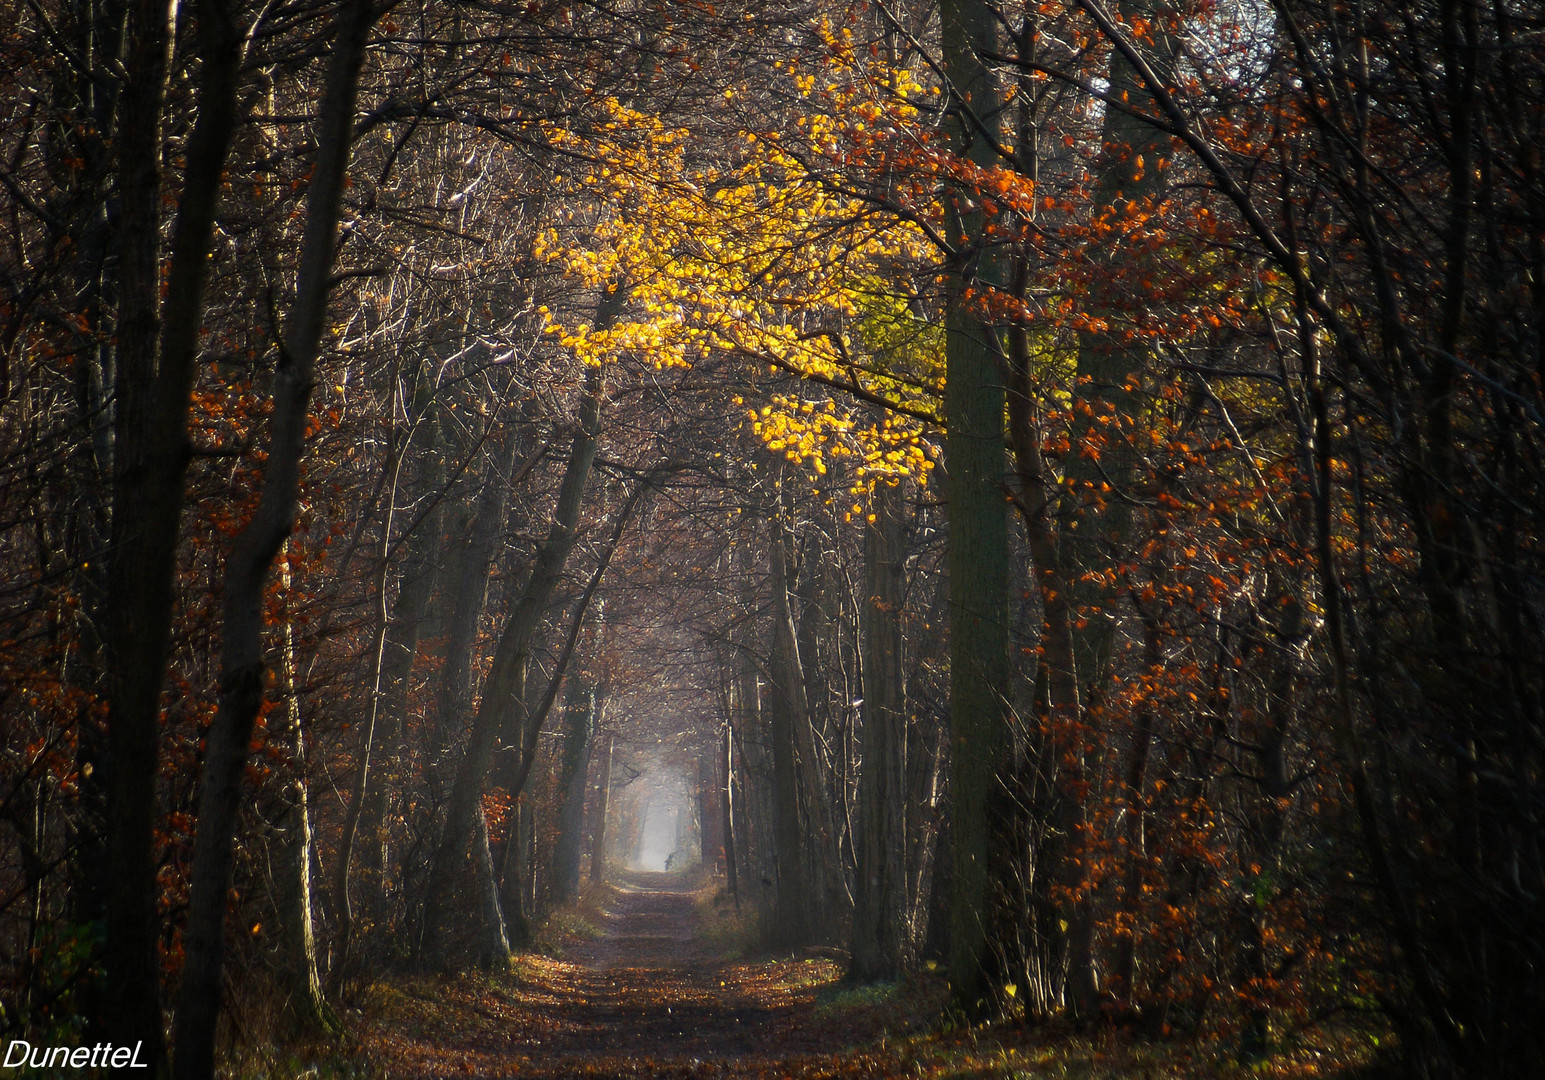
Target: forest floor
649 983
648 986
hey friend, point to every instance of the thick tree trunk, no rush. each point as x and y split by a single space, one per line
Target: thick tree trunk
573 777
157 345
242 664
879 910
490 944
754 808
978 555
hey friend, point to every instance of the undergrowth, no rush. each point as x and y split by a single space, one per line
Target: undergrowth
562 930
729 930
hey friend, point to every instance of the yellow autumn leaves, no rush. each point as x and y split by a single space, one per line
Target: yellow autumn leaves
749 252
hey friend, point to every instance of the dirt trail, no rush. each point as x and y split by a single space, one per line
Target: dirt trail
649 998
652 991
653 924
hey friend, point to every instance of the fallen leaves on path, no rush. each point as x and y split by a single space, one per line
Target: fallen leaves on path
646 999
646 994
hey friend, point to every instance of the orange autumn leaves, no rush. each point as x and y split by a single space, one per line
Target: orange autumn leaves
817 242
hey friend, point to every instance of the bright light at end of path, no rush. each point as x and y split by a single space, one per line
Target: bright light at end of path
662 824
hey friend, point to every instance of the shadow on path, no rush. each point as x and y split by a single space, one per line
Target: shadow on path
650 997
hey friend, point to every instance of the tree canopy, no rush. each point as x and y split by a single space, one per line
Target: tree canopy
1039 501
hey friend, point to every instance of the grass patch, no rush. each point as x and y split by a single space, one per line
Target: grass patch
841 997
728 932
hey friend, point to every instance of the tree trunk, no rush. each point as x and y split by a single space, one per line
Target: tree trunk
1051 808
511 875
793 892
926 762
86 536
1096 530
469 586
978 553
297 960
154 382
501 705
399 650
491 944
523 744
242 664
754 825
573 778
879 910
792 725
298 965
602 808
511 878
343 902
727 809
710 845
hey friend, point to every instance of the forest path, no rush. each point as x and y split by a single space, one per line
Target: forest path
654 996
